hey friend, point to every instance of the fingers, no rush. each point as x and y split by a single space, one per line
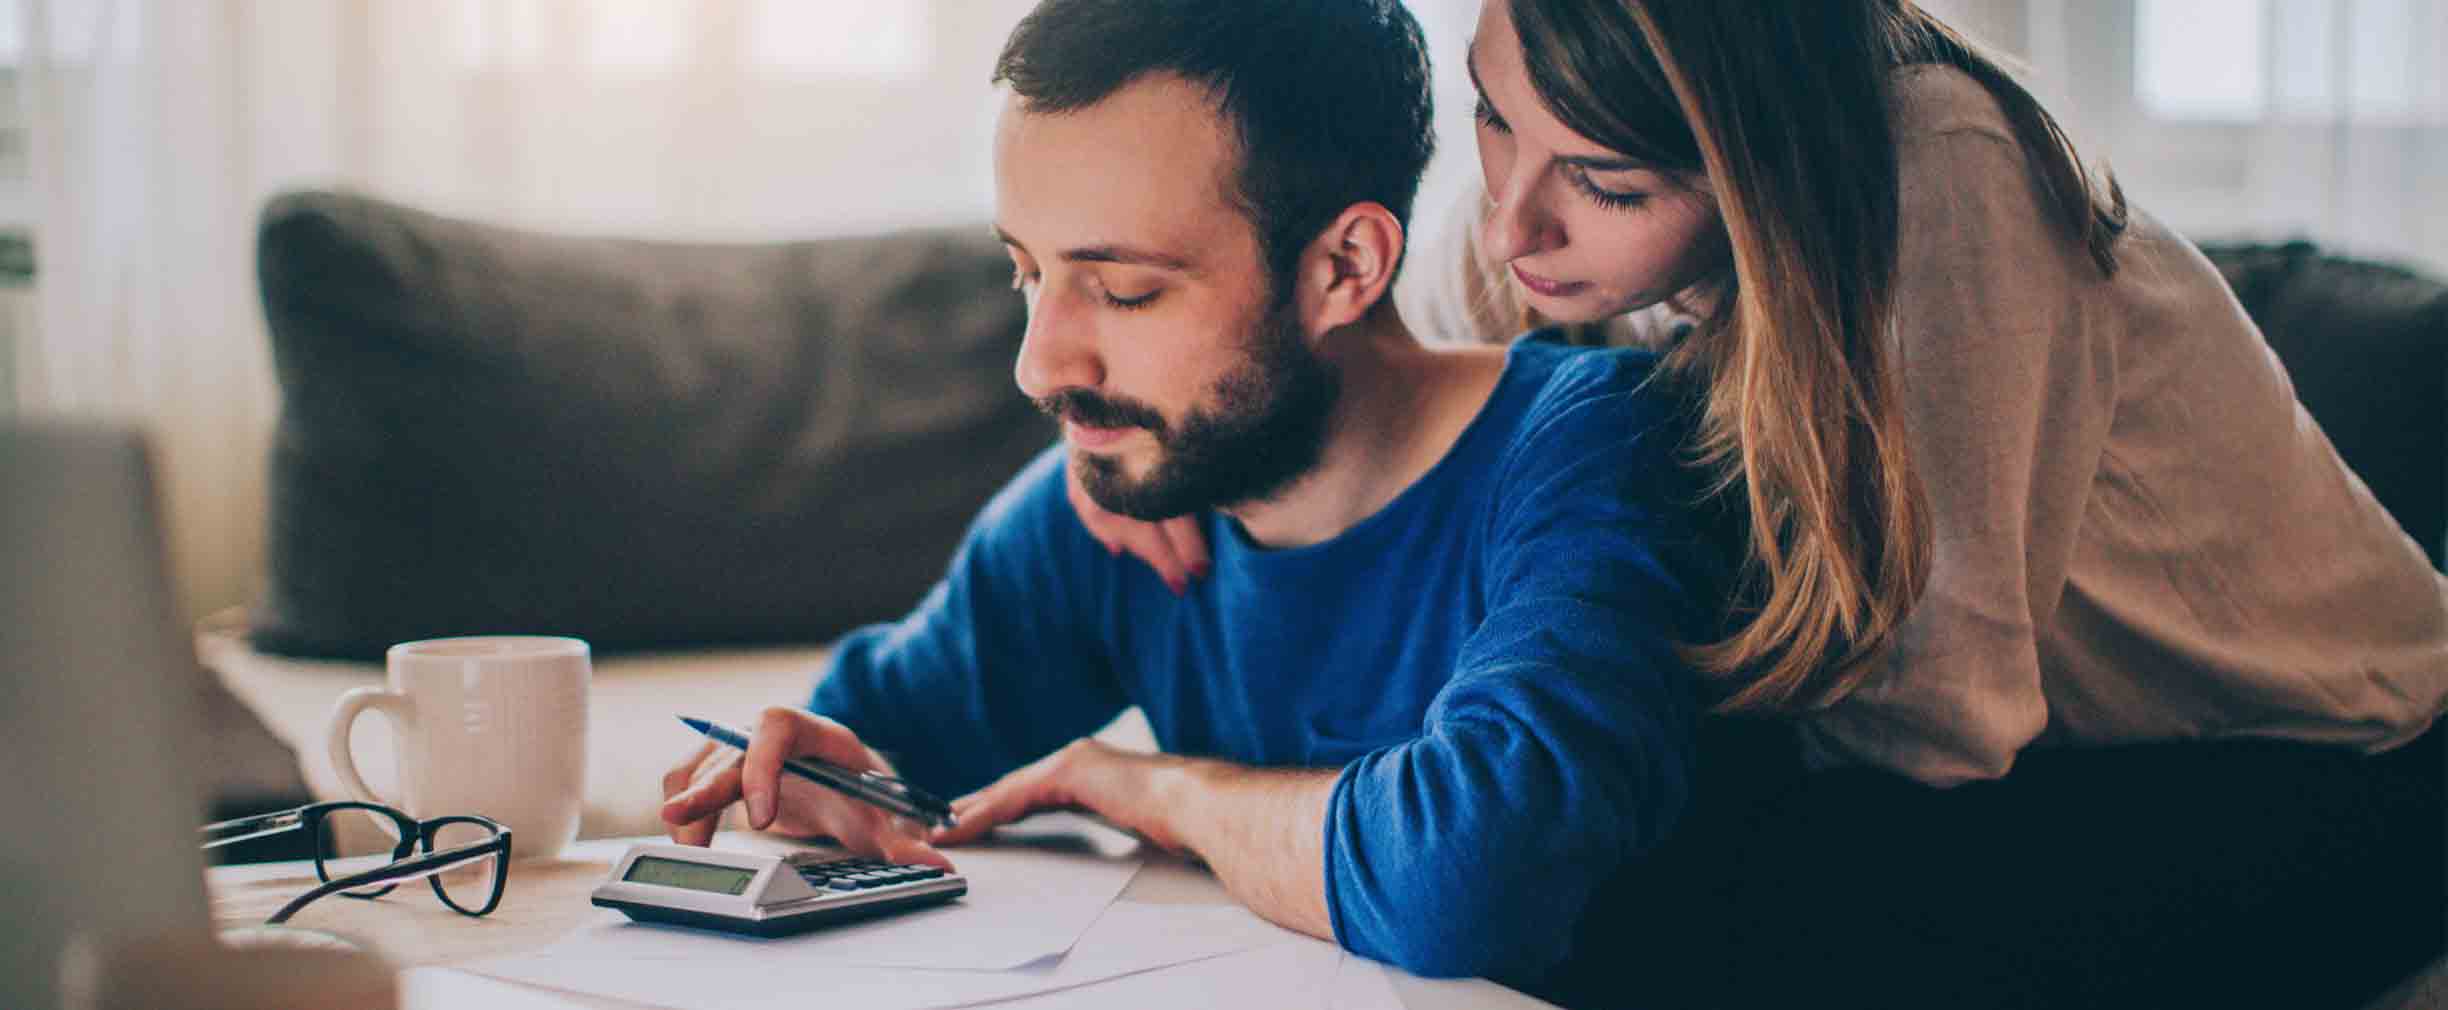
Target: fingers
1148 543
1175 549
1010 798
972 823
809 810
1189 545
696 810
786 733
897 845
699 832
682 775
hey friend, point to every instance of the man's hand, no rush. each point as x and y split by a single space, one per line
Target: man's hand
1123 787
1261 830
1174 548
699 789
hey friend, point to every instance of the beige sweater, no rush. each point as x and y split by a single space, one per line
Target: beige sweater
2139 534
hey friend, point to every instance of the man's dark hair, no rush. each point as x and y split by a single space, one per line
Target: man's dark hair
1329 99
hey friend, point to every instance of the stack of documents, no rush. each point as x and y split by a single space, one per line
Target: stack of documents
1040 928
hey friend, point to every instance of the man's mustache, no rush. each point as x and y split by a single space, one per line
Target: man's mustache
1090 410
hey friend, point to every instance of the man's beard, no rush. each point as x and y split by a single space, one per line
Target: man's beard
1266 430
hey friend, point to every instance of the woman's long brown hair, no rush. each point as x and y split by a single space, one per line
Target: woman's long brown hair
1783 106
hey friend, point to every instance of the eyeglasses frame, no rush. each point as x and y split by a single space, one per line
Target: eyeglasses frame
404 865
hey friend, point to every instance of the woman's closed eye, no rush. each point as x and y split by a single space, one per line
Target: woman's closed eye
1486 114
1612 199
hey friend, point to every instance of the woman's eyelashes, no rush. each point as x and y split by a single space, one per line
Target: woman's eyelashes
1486 114
1607 198
1604 197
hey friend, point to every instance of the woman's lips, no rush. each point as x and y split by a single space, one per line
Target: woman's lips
1093 439
1546 288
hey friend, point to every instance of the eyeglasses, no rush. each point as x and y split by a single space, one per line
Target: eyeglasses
364 850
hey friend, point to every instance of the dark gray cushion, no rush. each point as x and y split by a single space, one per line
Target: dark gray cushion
641 444
2367 347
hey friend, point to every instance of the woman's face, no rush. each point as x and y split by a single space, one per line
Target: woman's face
1585 232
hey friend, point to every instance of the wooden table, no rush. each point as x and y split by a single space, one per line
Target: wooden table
545 899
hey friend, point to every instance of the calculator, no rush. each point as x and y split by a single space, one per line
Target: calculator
761 894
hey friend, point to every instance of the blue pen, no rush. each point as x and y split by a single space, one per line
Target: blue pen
885 791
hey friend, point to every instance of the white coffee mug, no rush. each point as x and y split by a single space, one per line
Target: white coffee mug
491 725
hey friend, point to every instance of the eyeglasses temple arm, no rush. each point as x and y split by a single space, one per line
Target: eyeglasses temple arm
407 869
276 820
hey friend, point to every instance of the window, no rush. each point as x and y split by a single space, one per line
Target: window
659 38
2369 61
872 39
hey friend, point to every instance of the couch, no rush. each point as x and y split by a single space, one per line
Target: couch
711 460
707 460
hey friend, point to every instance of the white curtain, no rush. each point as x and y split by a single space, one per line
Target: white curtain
158 128
2269 119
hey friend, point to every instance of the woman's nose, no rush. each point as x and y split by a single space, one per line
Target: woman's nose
1517 222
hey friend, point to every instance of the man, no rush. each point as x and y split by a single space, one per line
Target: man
1429 697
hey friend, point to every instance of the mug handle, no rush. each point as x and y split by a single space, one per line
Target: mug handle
393 706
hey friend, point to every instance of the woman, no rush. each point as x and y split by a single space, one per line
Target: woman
2030 502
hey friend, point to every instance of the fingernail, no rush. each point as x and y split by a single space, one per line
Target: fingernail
760 810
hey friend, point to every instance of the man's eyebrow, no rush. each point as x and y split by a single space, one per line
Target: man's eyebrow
1121 254
1585 162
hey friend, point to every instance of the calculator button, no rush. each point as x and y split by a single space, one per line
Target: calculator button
844 884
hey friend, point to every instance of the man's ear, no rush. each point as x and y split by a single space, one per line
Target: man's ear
1349 268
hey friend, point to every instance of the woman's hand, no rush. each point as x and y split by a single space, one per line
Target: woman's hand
1174 548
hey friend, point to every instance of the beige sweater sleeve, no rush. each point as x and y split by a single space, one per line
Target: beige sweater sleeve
2008 390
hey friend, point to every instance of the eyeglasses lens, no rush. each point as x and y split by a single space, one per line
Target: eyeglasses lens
354 841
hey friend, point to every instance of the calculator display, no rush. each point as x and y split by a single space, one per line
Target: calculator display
689 876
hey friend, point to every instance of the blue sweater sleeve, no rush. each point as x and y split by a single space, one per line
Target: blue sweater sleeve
999 665
1561 747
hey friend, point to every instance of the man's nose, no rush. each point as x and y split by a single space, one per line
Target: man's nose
1058 351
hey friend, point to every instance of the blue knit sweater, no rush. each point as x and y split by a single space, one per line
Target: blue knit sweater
1489 662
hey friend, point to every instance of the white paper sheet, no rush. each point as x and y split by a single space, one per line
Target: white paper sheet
450 989
1130 938
1284 976
1031 896
1362 984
